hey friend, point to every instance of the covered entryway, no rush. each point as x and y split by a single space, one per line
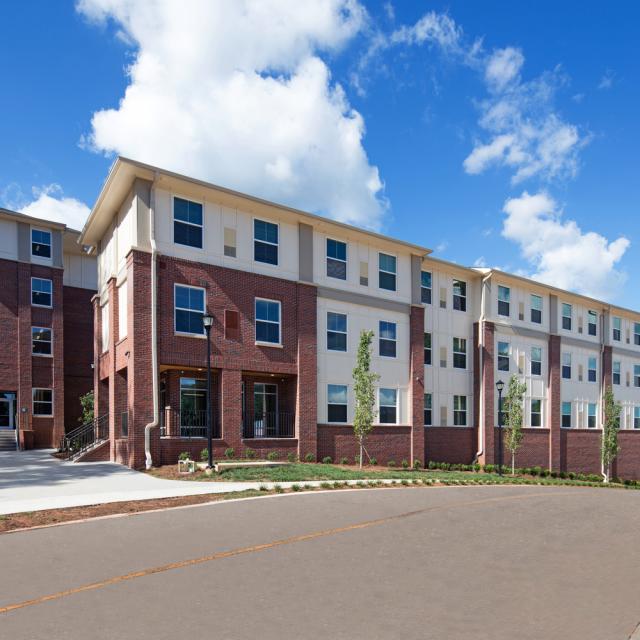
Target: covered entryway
7 421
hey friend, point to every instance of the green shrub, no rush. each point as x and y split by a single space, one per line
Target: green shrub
360 483
417 464
184 456
263 487
310 457
249 454
344 460
489 468
204 455
325 485
536 471
273 455
356 458
291 457
405 482
373 462
229 453
295 487
327 460
405 464
391 463
477 467
307 487
278 489
432 464
337 484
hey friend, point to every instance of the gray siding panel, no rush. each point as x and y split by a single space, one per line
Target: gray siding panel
305 252
24 242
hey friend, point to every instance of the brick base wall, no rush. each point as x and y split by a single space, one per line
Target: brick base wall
580 450
456 445
533 452
627 464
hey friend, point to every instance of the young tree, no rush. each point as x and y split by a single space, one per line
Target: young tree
363 385
86 401
610 427
513 413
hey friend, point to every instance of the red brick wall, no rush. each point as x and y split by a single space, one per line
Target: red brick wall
534 450
580 450
627 464
488 392
450 444
416 376
556 444
9 371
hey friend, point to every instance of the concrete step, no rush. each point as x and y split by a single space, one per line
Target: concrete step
7 440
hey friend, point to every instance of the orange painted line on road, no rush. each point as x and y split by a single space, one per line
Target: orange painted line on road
260 547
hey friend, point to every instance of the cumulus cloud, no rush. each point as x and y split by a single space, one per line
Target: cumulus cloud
560 252
503 67
236 92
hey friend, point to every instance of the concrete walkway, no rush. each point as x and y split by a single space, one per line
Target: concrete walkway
35 480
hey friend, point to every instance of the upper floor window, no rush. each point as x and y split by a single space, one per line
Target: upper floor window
566 366
566 316
503 356
427 349
336 403
592 415
428 416
42 402
617 329
459 353
566 415
336 331
386 272
41 341
616 372
265 242
459 295
592 323
504 301
636 333
460 411
425 287
636 417
636 375
592 370
536 412
536 361
267 321
536 309
336 259
189 307
387 342
41 292
40 243
388 405
187 223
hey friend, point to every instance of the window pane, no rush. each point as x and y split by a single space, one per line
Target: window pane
336 341
267 253
337 393
425 279
336 249
388 397
387 262
336 269
336 321
265 231
337 413
387 281
388 330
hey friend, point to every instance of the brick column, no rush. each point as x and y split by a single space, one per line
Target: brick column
307 378
488 391
554 385
24 393
57 373
231 408
416 385
607 367
111 351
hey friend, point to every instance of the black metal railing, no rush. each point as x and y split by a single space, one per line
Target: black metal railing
269 425
187 424
85 436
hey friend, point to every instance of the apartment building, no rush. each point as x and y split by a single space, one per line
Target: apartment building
46 329
289 293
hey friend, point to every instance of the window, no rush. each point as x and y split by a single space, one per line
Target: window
337 403
503 356
459 295
617 329
536 412
428 414
336 259
592 368
193 406
636 333
592 416
636 417
459 353
592 323
566 316
387 342
636 375
336 331
425 287
566 366
42 402
189 309
616 372
187 223
388 402
536 309
536 361
504 301
40 243
40 341
427 349
265 242
230 242
566 415
41 292
387 272
267 321
460 411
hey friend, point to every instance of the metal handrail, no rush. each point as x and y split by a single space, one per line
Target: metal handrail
187 424
85 436
269 424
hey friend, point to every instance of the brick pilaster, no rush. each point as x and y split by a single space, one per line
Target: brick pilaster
111 351
607 367
24 393
416 373
307 375
488 391
231 408
554 385
57 373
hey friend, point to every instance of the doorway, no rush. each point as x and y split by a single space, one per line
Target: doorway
7 410
265 407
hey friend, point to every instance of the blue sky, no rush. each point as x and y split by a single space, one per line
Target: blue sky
497 133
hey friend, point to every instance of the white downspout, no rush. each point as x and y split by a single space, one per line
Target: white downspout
481 425
154 331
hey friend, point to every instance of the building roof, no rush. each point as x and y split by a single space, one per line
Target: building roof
8 214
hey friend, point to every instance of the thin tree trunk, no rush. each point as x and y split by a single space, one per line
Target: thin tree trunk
361 448
513 463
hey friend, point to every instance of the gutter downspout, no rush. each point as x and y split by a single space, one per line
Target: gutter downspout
481 425
602 383
154 328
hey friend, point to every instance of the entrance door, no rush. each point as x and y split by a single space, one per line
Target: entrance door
7 410
265 407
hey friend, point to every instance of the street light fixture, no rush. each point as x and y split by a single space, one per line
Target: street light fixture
500 387
207 321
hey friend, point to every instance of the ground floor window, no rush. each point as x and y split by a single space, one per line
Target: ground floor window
536 412
428 416
566 415
388 403
193 403
460 411
636 417
337 403
592 416
43 402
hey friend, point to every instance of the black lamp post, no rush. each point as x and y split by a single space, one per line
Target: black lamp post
207 321
499 387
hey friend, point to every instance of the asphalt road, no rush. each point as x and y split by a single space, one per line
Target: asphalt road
454 563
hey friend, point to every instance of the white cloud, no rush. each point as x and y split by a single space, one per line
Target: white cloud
480 263
503 68
561 253
236 92
606 82
433 28
442 246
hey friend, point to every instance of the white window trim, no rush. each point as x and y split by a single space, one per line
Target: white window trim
393 273
346 404
502 355
454 294
394 340
397 406
427 288
33 402
430 394
345 332
42 355
42 306
570 414
535 375
541 401
188 334
279 323
589 369
503 286
562 316
454 353
532 308
327 258
589 315
465 410
191 224
40 259
430 333
273 244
